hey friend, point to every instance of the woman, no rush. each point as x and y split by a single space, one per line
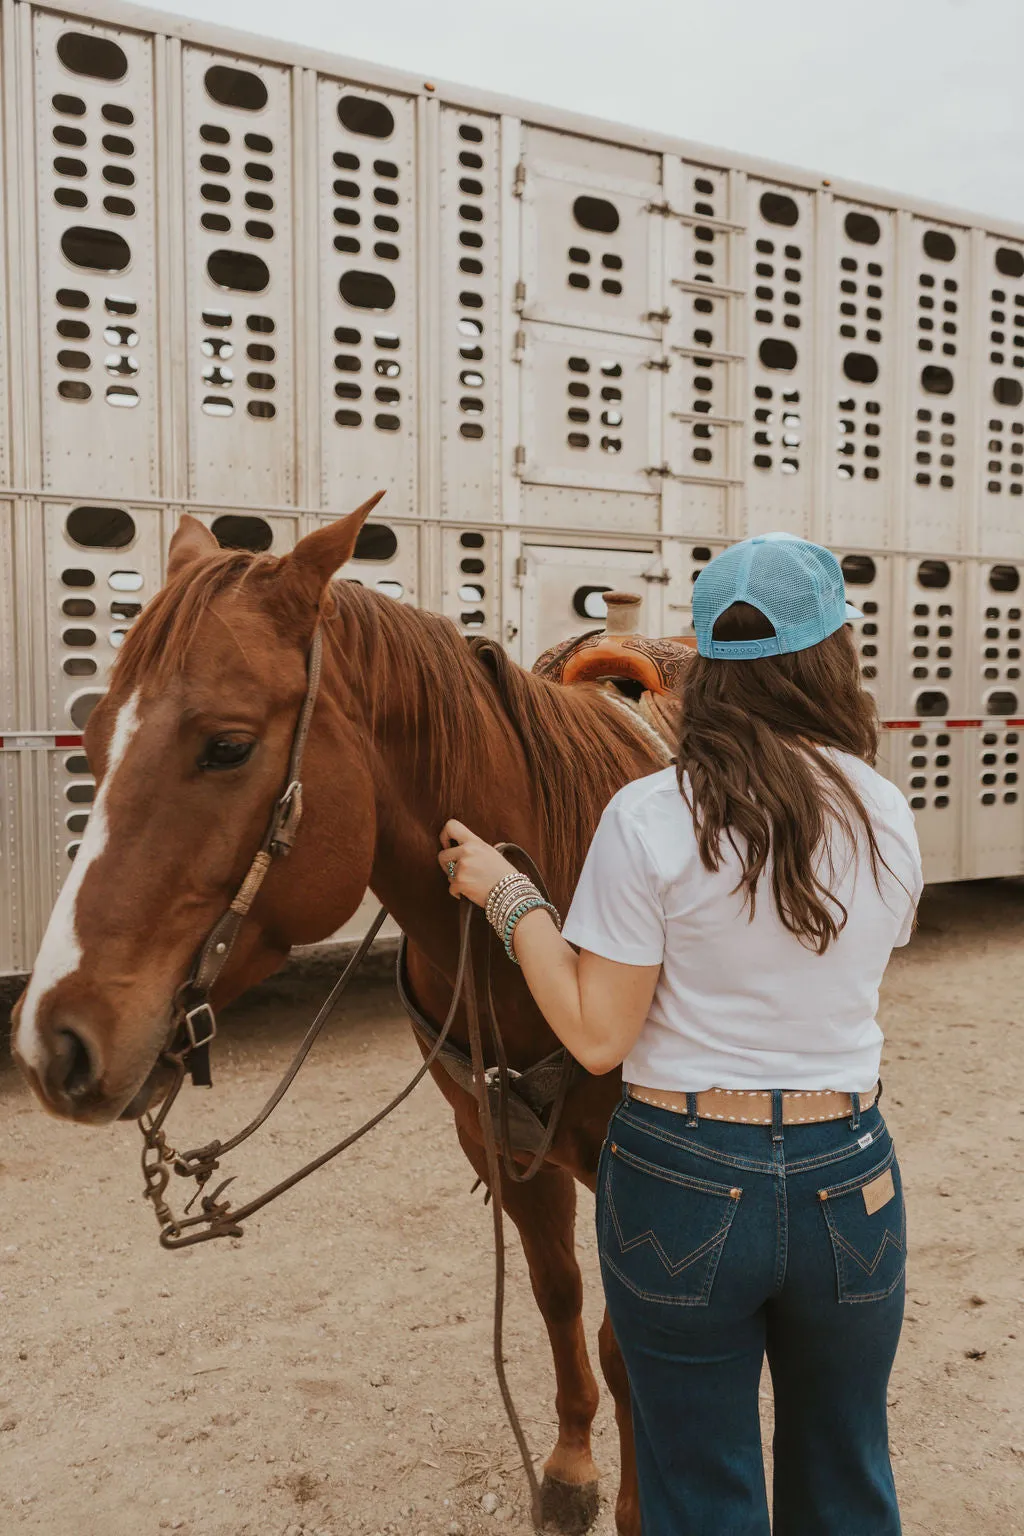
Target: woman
734 917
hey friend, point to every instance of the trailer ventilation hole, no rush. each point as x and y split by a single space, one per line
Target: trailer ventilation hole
939 246
776 354
100 250
100 527
86 54
82 706
1002 701
858 570
860 367
862 228
235 531
123 396
932 704
1008 391
596 213
240 271
376 541
1010 262
367 290
360 115
936 381
933 573
777 208
589 602
236 88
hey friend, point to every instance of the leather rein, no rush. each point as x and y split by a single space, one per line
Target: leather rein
194 1026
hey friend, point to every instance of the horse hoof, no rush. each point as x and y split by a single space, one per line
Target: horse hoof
568 1507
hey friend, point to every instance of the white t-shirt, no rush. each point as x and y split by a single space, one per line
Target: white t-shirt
741 1003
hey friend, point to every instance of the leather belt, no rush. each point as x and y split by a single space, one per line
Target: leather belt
753 1106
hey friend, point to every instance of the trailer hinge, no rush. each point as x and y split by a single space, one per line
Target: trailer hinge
519 457
520 570
663 364
520 294
659 471
519 181
662 578
665 209
518 346
662 316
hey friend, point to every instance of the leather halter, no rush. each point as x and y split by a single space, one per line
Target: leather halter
194 1023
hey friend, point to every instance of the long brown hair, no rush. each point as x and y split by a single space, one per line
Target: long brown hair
749 770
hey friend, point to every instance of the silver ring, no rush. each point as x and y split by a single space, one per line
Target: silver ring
451 869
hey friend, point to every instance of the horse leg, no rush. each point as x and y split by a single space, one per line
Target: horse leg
544 1212
613 1367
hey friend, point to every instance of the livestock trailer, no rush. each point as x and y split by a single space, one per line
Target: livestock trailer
256 282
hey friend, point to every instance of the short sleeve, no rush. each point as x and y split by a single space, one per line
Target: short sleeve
916 883
616 911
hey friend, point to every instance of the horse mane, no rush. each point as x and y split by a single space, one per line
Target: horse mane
578 745
416 673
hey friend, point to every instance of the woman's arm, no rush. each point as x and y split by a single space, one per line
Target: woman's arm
596 1007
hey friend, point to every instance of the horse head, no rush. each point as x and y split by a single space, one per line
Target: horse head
190 750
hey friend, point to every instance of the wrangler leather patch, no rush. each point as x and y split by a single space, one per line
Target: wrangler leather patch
879 1192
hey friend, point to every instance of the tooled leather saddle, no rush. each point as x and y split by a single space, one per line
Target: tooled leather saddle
646 674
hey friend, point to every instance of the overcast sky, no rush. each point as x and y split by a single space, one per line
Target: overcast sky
922 96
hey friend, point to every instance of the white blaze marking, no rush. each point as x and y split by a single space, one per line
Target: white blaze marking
60 952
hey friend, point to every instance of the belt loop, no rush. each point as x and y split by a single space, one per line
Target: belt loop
777 1115
691 1110
854 1111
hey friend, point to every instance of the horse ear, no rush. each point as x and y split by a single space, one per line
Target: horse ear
315 558
191 541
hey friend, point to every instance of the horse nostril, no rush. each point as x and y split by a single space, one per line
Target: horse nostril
72 1069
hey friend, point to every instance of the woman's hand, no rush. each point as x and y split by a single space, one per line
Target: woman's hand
478 866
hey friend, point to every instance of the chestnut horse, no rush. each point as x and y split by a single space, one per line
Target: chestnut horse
412 725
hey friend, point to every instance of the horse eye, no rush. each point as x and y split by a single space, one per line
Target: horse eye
226 752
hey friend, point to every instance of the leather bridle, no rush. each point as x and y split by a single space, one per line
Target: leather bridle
194 1026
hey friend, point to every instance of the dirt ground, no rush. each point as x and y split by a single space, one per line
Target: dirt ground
331 1372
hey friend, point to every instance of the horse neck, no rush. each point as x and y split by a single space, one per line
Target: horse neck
427 768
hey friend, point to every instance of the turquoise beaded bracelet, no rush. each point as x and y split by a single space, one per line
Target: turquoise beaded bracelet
519 911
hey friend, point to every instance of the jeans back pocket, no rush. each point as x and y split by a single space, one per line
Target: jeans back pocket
867 1224
661 1232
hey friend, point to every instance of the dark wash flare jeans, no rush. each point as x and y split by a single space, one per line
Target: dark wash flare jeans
722 1242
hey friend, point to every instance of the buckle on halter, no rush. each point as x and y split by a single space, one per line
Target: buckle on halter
200 1026
288 816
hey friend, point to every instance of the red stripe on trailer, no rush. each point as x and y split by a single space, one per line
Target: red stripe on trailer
1015 722
39 741
963 724
902 725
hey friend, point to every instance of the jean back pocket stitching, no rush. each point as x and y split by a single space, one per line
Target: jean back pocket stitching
674 1267
897 1240
846 1254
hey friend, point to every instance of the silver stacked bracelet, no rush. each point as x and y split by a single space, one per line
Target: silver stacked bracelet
511 899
